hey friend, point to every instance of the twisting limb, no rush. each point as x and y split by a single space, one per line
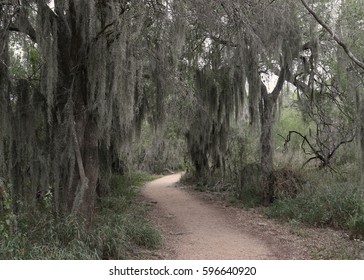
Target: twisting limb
341 143
222 41
83 186
83 179
317 154
305 140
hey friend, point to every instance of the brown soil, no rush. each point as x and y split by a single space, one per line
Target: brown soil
205 226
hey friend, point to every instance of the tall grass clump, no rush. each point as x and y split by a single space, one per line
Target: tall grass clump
120 229
340 206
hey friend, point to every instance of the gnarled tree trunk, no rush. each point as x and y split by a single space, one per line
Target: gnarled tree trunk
267 103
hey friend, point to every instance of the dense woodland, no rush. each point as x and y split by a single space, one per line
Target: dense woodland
263 99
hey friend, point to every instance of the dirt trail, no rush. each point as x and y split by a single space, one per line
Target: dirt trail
194 229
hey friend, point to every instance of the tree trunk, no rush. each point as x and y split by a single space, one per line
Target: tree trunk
91 164
267 103
266 146
73 105
362 139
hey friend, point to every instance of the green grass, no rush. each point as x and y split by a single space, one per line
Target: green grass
332 198
120 229
337 252
135 179
340 206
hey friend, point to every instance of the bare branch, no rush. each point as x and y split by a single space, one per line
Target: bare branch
26 29
305 140
281 79
341 143
22 23
307 161
222 41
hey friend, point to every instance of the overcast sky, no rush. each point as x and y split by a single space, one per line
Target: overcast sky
51 4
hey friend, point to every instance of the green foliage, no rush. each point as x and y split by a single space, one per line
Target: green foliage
340 206
24 58
240 161
356 224
249 184
7 217
250 198
125 183
139 232
290 119
120 227
158 149
337 252
243 148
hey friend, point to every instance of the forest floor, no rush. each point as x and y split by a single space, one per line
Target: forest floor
202 225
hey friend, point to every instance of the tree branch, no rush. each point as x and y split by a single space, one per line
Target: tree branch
304 139
83 186
281 79
222 41
27 30
83 179
307 161
341 143
334 36
22 23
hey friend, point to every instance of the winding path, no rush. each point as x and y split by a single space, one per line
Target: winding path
194 229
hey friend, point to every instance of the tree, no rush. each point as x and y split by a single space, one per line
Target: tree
353 76
91 79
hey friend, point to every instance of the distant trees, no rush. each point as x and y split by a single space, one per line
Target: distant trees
237 41
249 39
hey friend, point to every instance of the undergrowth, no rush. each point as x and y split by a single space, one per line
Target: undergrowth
249 199
120 229
340 206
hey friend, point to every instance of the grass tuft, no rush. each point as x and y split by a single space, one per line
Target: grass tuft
120 229
339 206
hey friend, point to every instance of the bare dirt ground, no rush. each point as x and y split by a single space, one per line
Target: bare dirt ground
205 226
